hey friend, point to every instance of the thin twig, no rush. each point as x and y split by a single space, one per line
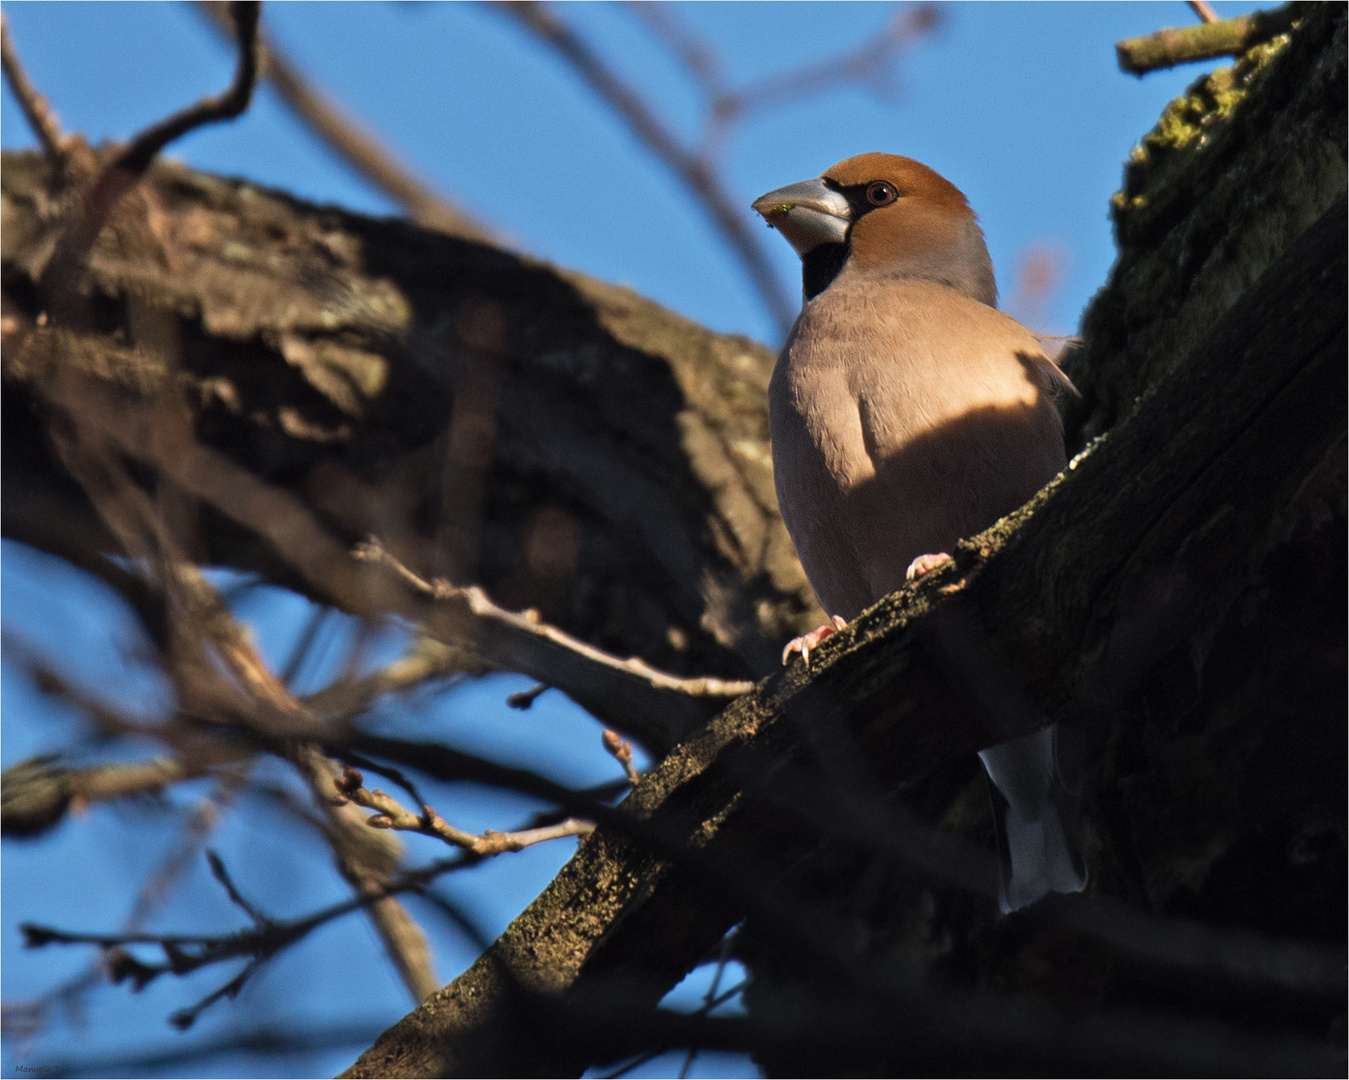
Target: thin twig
427 661
35 108
220 675
222 875
693 171
37 792
166 1059
634 697
136 156
868 64
1204 10
524 699
25 1019
529 623
304 644
622 752
710 999
368 867
360 761
187 953
343 134
391 814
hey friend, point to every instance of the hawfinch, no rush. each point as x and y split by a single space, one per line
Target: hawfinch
907 412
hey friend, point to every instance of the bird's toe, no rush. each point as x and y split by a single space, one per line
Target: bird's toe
806 642
923 564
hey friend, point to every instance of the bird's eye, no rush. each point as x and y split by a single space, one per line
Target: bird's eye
879 193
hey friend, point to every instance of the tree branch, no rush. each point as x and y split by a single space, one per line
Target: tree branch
701 182
343 134
1210 39
390 814
36 109
38 792
530 625
126 167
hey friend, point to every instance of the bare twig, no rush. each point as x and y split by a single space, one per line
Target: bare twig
222 875
710 999
426 661
186 953
524 699
361 149
390 814
35 108
622 752
368 865
25 1019
697 55
1204 10
869 64
530 624
270 1041
62 274
219 674
1226 37
37 792
643 702
701 181
136 156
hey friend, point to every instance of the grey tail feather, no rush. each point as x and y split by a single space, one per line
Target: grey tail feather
1054 833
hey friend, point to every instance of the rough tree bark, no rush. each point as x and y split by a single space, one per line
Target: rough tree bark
1177 596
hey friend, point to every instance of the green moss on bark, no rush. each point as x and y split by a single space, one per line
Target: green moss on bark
1236 169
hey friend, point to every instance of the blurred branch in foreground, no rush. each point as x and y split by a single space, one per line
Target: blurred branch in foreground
124 167
36 109
344 135
697 166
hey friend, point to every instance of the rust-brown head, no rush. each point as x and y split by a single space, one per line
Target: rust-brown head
879 217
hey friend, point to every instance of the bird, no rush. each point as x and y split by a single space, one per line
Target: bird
907 412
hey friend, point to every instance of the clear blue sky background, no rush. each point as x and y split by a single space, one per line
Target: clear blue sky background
1020 105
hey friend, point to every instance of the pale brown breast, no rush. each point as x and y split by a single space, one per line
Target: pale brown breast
904 417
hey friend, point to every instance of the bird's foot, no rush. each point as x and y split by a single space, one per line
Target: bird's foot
806 642
923 564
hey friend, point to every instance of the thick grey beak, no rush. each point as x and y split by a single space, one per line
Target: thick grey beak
808 214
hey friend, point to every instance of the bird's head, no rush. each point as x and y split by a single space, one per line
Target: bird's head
882 216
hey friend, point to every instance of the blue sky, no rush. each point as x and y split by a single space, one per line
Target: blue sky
1020 105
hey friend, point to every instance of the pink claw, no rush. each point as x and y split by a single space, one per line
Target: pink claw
923 564
806 642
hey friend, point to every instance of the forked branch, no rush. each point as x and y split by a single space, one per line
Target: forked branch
391 814
60 280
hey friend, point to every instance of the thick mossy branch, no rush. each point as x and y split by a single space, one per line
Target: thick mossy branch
1236 170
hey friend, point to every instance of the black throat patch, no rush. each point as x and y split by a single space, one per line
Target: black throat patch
820 265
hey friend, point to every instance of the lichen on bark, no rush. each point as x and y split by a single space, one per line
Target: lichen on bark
1236 169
